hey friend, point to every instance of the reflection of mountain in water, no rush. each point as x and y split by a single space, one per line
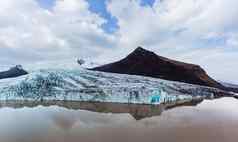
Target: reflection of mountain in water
137 111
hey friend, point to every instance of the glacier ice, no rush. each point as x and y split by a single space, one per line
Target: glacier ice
84 85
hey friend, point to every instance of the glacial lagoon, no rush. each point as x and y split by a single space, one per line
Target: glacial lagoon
206 121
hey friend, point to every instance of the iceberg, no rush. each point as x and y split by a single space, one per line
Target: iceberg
93 86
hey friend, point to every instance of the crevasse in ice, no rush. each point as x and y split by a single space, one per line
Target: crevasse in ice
84 85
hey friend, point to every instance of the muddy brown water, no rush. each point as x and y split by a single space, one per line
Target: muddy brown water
207 121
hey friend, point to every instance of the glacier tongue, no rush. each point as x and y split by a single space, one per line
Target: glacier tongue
84 85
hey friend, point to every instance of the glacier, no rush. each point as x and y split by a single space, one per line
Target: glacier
85 85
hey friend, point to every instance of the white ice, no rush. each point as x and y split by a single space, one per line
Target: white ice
84 85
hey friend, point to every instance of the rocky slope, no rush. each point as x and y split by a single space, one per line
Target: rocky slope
146 63
230 87
13 72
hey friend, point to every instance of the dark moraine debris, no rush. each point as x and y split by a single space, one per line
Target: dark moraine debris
13 72
147 63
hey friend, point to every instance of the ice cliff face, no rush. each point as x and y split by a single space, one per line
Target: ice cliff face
84 85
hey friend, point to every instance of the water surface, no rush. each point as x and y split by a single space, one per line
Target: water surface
210 120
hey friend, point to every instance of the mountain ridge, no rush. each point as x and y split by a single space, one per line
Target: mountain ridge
13 72
147 63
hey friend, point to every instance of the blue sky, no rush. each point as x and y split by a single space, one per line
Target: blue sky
46 3
99 7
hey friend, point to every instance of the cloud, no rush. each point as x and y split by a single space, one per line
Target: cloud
29 33
195 31
193 19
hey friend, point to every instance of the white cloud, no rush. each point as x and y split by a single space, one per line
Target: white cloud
197 31
29 33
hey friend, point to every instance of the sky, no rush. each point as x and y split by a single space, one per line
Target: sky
194 31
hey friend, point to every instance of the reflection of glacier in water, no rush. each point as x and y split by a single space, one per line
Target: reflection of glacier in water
211 120
138 111
84 85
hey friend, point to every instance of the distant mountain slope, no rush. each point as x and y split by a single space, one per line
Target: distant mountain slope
146 63
230 86
13 72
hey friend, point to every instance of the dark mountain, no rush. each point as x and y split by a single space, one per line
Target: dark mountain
13 72
230 86
147 63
